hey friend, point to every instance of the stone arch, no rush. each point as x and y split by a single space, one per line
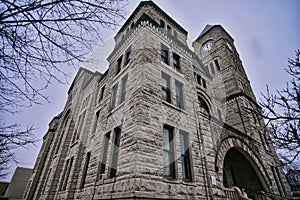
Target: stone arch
248 153
204 103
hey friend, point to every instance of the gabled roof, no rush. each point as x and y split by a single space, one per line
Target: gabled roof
158 9
209 27
81 69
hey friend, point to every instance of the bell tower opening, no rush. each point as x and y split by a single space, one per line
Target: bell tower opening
238 171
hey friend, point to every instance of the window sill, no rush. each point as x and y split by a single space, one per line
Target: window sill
178 181
119 74
116 108
74 143
174 107
172 69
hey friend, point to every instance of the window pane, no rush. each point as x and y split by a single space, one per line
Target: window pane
87 160
164 56
114 96
166 93
128 57
179 95
124 85
119 64
168 152
104 152
176 62
185 156
115 155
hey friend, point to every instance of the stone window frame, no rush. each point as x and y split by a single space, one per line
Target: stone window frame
85 169
119 90
114 96
176 62
179 94
119 64
115 149
104 155
172 97
127 56
164 54
124 81
169 152
166 88
80 126
66 174
186 157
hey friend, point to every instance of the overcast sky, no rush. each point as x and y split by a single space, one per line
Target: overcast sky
266 33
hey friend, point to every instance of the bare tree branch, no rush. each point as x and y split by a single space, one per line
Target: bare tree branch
282 112
39 41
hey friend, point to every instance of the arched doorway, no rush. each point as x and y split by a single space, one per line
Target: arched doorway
238 171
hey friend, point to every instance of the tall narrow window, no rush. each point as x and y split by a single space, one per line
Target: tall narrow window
119 64
86 165
212 68
61 135
102 93
115 153
128 57
104 155
217 64
176 64
46 181
95 122
168 152
164 55
179 94
166 92
66 173
203 105
185 156
124 86
114 96
79 127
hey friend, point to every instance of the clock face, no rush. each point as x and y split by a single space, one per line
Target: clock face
207 46
229 46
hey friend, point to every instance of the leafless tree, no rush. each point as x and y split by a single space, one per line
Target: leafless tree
39 40
12 137
282 112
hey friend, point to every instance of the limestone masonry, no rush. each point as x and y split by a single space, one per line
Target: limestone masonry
163 122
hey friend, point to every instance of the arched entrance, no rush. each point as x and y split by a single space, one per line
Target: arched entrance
238 171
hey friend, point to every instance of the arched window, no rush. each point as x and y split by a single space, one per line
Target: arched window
203 105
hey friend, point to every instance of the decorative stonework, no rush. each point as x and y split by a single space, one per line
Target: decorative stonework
131 157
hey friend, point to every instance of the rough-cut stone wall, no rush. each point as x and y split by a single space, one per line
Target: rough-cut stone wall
224 125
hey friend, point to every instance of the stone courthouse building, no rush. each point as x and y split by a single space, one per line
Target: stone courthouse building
163 122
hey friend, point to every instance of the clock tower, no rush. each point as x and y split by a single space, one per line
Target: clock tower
230 83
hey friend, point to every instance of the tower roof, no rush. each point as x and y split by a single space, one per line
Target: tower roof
209 27
158 9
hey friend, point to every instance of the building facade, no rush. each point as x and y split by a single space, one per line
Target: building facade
163 122
293 178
